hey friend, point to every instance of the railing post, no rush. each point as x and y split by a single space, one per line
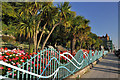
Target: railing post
37 66
7 74
18 76
54 60
58 64
45 61
22 72
34 67
48 61
13 73
51 61
40 60
30 67
27 70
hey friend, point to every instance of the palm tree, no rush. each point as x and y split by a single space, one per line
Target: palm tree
78 29
35 12
60 17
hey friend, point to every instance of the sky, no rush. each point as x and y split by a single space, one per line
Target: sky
103 17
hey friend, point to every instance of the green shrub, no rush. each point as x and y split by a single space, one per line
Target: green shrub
8 39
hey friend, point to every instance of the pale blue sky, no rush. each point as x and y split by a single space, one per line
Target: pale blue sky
103 17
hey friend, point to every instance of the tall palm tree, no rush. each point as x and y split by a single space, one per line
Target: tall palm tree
35 12
60 17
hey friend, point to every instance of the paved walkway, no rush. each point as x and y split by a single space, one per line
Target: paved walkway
106 68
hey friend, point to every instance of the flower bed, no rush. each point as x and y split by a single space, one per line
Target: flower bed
13 57
17 57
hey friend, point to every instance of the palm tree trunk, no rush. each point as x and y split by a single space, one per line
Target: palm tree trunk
49 35
34 41
36 33
41 36
34 37
29 44
71 44
74 43
81 44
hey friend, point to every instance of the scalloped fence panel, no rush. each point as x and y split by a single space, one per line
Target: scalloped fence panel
47 64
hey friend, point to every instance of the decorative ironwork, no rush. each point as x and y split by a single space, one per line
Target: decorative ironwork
49 65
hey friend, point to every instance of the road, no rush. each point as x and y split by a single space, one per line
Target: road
106 68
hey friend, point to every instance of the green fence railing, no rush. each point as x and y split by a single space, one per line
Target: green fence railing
47 64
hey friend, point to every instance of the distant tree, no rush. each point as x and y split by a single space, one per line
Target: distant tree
96 42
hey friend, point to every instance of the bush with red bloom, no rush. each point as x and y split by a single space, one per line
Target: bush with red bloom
1 67
28 57
22 57
10 59
23 61
17 63
7 54
1 48
9 68
6 49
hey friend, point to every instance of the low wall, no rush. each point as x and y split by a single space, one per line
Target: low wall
84 70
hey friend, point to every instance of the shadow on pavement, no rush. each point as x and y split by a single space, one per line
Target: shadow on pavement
106 70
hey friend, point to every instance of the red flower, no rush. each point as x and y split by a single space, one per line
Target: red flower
16 58
22 57
13 58
26 52
11 52
34 53
9 68
92 54
41 70
64 51
28 57
84 56
38 50
25 57
47 54
63 57
32 62
35 65
4 59
10 59
83 50
61 53
1 67
7 54
31 53
1 57
23 61
88 51
17 63
6 48
1 48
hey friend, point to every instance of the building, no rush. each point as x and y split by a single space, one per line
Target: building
107 42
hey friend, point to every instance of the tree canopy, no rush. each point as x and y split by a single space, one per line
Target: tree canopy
43 23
